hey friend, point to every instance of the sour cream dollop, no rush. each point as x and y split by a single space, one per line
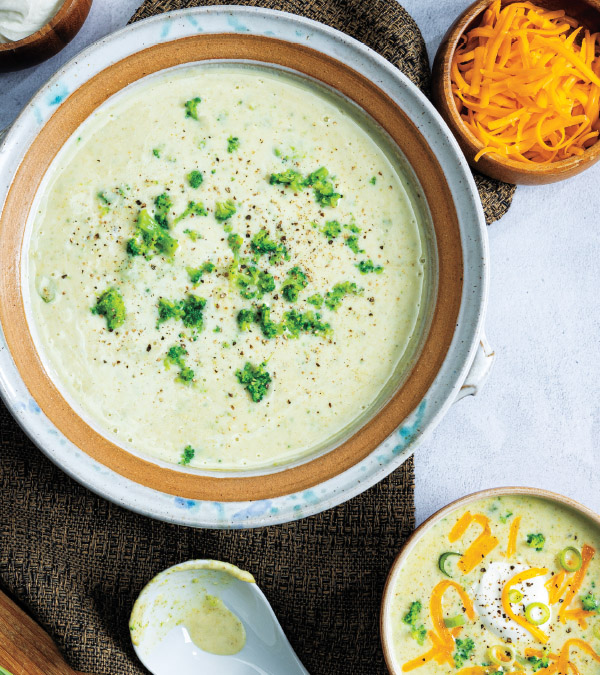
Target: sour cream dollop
20 18
488 599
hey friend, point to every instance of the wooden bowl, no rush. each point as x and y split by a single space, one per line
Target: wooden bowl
387 599
47 41
493 165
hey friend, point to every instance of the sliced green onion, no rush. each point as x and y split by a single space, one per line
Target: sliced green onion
455 621
514 595
442 562
534 608
505 651
4 672
570 559
596 631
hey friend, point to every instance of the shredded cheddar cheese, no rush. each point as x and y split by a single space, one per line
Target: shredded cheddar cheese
479 549
576 580
526 83
537 633
512 537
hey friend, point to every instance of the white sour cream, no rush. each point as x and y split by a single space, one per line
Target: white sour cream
488 599
21 18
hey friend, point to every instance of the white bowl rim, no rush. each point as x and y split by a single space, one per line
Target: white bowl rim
400 445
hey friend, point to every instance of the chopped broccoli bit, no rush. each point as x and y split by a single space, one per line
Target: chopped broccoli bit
245 318
163 203
353 228
505 517
368 266
262 244
175 356
411 618
373 180
254 283
334 297
195 274
156 152
331 229
110 305
150 238
316 300
224 210
188 310
188 455
193 234
295 282
463 651
235 242
103 197
255 379
352 244
538 663
536 541
590 602
193 209
195 178
289 177
191 107
305 322
233 144
269 328
322 187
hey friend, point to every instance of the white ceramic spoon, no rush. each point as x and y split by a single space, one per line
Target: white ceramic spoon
163 643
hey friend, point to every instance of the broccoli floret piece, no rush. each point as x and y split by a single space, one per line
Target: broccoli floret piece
538 663
195 178
411 618
150 238
233 144
269 328
156 152
331 229
111 306
536 541
353 228
191 107
254 283
262 244
325 195
245 318
305 322
334 297
163 204
506 516
188 455
352 244
193 306
368 266
193 234
235 242
224 210
193 209
373 180
289 177
316 300
168 310
103 197
295 282
195 274
255 379
463 651
590 602
175 356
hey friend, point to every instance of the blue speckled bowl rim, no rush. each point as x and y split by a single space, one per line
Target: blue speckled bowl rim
398 446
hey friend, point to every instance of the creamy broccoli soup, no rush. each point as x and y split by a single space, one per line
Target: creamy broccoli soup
225 268
504 585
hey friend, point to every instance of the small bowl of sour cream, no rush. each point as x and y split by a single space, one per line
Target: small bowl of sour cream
32 31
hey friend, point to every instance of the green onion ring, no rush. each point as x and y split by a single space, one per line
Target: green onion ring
455 621
545 613
514 595
442 562
570 559
507 649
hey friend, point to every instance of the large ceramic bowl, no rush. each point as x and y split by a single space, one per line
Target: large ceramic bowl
387 603
452 357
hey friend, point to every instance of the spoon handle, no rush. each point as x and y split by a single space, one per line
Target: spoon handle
24 646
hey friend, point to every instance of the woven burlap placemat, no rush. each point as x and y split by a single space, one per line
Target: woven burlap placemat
76 562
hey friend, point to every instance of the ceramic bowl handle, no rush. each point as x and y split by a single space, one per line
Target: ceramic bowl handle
479 371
